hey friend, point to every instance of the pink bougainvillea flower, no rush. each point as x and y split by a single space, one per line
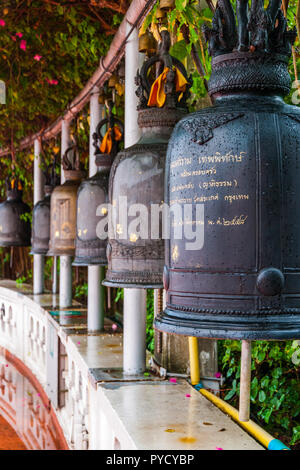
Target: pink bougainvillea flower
2 23
219 448
51 82
23 45
218 375
172 379
19 35
188 395
37 57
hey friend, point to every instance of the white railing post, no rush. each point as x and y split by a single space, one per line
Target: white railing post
65 278
38 194
134 347
96 292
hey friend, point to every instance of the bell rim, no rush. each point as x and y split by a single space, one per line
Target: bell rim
126 285
239 327
8 244
60 253
78 261
38 252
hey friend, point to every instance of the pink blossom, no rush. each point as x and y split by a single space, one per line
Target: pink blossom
188 395
52 82
37 57
23 45
2 23
218 375
19 35
114 327
14 38
172 379
219 448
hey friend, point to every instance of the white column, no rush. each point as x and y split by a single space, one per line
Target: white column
96 292
38 194
65 279
134 347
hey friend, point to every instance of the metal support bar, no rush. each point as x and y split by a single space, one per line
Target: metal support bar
65 281
38 194
134 346
134 331
245 383
194 360
54 275
96 298
96 274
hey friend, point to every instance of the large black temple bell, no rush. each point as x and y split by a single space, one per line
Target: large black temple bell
137 176
93 193
15 227
237 165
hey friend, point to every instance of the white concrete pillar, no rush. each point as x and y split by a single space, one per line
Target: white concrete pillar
134 331
96 292
134 347
65 278
38 194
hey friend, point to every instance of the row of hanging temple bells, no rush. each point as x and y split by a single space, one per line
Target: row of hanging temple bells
239 161
137 175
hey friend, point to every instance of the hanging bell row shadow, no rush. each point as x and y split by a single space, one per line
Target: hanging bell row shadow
238 160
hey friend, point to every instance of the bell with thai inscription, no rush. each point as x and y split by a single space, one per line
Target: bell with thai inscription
63 207
15 229
41 214
137 176
233 271
93 194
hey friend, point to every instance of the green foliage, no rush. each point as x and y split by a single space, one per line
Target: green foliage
47 54
81 291
275 386
149 323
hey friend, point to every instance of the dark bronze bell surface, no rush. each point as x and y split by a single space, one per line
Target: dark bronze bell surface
147 43
92 193
63 215
166 4
136 259
90 250
14 230
41 226
239 160
138 174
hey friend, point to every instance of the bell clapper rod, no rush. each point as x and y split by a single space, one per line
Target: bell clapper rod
38 194
65 278
96 292
134 333
245 381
